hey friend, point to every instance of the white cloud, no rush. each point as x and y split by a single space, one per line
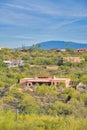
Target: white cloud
64 8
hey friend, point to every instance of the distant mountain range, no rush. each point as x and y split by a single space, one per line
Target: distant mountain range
62 45
59 45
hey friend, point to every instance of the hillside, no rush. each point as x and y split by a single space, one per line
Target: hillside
46 107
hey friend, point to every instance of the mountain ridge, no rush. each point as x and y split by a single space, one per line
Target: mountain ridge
62 45
58 45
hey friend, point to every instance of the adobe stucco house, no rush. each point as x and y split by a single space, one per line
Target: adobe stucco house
73 59
82 49
29 82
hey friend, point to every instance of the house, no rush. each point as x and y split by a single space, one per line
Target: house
82 49
73 59
13 63
29 82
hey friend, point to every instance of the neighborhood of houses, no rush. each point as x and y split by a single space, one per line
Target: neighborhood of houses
15 63
29 82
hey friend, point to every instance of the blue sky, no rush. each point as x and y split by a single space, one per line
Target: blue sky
33 21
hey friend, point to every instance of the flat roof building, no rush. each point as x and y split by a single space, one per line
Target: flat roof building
29 82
